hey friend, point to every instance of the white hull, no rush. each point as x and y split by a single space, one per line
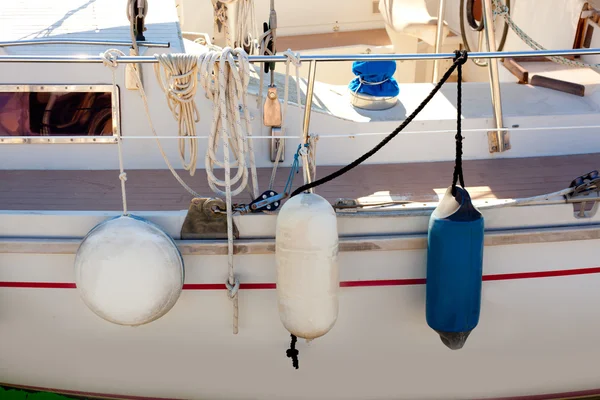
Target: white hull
540 313
537 330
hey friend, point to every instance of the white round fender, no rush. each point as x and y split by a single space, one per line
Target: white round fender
307 268
129 271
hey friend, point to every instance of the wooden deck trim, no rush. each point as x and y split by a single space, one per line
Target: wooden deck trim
349 244
157 190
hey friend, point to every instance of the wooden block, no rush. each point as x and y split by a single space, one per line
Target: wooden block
517 70
556 84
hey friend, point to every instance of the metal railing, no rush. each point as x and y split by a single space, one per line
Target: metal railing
89 42
313 60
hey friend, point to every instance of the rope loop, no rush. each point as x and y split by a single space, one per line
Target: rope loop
233 288
460 57
110 57
293 57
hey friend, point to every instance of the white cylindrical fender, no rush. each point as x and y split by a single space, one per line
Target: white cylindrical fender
307 268
129 271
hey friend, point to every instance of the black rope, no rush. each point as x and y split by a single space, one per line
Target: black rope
459 59
458 172
292 352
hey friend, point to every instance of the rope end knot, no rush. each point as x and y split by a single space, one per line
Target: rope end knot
292 352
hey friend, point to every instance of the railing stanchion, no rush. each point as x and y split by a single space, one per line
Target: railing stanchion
498 141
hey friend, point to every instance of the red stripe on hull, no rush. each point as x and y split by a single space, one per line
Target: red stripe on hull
344 284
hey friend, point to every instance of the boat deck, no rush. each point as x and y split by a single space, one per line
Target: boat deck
157 190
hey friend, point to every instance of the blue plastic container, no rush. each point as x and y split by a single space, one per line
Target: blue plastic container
454 268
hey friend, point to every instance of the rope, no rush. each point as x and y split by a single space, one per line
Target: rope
502 10
228 92
177 75
294 169
110 60
109 57
458 172
293 58
459 60
228 89
246 20
292 352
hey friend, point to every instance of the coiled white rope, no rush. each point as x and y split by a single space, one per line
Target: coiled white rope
226 85
177 75
110 60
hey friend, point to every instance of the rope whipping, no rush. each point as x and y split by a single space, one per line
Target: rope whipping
459 60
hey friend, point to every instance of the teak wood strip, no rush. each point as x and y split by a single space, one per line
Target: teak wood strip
517 70
557 84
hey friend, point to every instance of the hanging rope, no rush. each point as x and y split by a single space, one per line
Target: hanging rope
460 58
458 172
110 60
110 57
292 58
502 10
226 85
292 352
177 76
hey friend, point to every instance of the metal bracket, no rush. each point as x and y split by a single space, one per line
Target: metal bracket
494 144
205 221
275 143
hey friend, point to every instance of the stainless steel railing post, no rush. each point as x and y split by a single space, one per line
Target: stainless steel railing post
498 141
439 37
310 88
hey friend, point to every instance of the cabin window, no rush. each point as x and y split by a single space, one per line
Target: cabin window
58 114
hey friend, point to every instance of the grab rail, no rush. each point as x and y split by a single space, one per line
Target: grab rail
91 42
313 59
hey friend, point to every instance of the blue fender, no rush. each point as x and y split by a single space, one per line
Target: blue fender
454 268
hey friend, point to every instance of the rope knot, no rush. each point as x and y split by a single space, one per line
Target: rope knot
233 288
293 353
293 57
110 57
460 57
123 176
